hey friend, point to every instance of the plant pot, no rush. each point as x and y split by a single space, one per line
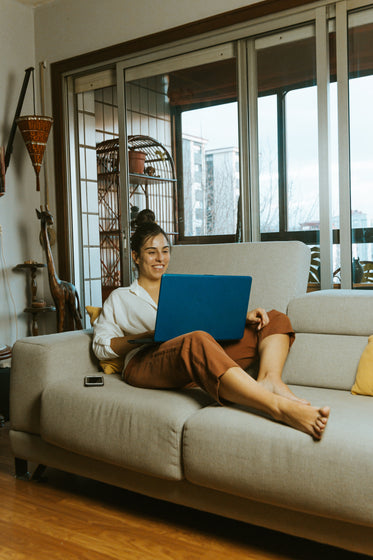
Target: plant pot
136 161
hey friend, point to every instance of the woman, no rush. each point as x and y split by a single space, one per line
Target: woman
196 359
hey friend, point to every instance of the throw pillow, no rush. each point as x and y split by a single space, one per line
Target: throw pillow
93 312
111 365
364 377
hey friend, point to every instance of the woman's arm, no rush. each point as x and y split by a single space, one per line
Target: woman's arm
121 346
125 316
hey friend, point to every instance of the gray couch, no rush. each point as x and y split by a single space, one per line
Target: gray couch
182 447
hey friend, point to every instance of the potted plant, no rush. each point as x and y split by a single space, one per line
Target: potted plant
136 161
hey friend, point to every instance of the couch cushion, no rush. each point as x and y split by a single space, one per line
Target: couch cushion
324 360
248 455
333 312
279 269
139 429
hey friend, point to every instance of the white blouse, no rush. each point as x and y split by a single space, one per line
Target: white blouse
126 311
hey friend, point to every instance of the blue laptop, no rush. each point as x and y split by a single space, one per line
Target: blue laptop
212 303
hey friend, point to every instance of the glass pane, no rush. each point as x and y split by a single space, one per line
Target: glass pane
187 120
302 160
210 170
152 176
361 142
96 113
268 163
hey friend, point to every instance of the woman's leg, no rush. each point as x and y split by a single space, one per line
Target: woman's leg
195 358
198 358
269 394
270 347
239 388
273 351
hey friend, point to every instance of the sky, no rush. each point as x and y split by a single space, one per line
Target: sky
218 124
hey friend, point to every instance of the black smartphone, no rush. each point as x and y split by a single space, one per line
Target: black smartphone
93 380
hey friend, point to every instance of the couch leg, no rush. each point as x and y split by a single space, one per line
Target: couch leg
37 475
21 469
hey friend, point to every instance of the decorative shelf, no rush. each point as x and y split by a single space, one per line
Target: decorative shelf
157 157
142 179
37 310
35 306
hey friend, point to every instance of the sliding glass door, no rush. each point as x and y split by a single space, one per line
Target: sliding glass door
287 133
260 132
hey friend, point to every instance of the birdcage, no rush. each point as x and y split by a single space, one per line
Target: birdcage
154 188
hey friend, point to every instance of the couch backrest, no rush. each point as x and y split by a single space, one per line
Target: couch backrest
279 269
332 329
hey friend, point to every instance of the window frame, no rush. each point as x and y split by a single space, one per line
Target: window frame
236 26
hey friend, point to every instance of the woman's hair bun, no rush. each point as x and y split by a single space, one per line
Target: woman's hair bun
144 217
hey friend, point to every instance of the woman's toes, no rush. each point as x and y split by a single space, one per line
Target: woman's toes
325 411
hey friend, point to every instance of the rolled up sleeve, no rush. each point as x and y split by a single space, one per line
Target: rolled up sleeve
105 329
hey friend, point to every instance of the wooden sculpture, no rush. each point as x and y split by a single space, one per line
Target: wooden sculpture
65 295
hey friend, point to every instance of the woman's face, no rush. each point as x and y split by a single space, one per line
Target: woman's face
154 257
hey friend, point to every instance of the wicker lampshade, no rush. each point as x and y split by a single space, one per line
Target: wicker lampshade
35 131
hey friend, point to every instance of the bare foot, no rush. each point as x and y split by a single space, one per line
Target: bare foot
309 419
280 388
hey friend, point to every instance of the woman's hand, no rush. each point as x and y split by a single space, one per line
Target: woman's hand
257 317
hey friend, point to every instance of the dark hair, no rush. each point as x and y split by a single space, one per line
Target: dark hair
145 228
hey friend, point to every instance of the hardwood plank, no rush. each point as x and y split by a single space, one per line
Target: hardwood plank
73 518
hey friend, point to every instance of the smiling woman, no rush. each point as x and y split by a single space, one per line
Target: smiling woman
150 252
196 359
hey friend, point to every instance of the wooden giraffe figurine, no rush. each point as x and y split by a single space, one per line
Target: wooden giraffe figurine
65 295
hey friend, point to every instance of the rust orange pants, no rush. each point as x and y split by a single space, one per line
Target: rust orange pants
197 359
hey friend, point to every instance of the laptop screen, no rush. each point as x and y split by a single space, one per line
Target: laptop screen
216 304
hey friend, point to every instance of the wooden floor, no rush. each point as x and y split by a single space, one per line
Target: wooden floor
68 517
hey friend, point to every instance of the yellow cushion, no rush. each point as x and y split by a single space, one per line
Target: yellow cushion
112 365
364 377
93 312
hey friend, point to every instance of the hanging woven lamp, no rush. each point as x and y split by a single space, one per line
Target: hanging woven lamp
35 131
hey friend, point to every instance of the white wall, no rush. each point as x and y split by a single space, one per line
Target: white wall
17 207
65 28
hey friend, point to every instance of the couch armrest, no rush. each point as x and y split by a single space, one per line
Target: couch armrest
40 360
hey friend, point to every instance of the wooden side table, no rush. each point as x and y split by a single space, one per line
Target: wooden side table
36 305
34 311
